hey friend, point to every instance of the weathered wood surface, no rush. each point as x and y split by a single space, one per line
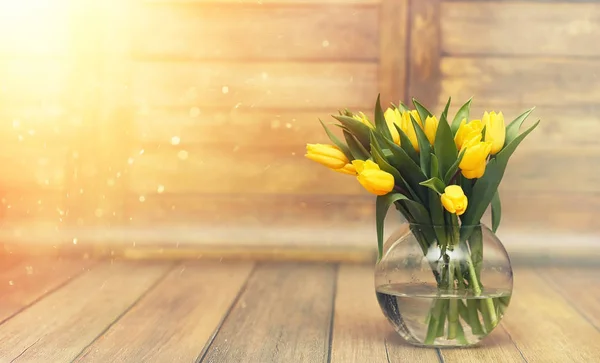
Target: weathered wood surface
176 319
283 315
394 36
328 85
497 28
214 312
52 329
423 53
524 82
234 127
545 326
312 33
30 279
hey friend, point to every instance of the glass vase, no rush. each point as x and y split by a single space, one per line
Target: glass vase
443 286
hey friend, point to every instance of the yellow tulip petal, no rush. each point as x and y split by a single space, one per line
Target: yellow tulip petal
347 169
329 162
447 203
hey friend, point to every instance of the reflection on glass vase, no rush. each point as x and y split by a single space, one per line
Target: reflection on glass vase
442 286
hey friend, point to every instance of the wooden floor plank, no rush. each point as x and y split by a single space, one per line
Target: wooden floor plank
176 319
361 333
581 287
26 281
60 326
545 327
498 347
283 315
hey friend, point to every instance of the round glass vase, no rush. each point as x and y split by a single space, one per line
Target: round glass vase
443 286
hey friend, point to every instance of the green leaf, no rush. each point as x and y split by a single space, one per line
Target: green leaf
421 110
496 211
486 187
407 145
444 146
435 171
337 142
434 184
424 147
454 168
358 151
402 107
357 128
463 112
410 170
435 204
445 113
512 129
382 205
380 123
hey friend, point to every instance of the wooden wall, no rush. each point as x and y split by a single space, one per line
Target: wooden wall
184 122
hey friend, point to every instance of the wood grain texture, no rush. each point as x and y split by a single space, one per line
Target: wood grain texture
254 210
176 319
242 170
335 33
235 127
32 278
488 28
366 336
424 51
283 315
523 82
497 347
268 85
545 327
393 45
94 301
579 287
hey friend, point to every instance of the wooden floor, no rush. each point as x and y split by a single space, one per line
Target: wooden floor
56 311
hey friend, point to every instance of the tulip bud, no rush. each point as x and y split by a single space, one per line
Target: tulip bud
407 126
373 179
467 131
392 117
363 118
329 155
431 126
473 162
495 130
454 199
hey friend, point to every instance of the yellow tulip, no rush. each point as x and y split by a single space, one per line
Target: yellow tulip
467 131
363 118
373 179
431 126
347 169
475 173
454 199
473 162
329 155
408 127
495 130
392 117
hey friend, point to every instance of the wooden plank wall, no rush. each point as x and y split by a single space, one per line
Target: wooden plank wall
190 124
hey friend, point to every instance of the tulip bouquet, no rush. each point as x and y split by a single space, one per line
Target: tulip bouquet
441 175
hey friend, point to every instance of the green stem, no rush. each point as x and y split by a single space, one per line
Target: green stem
434 322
